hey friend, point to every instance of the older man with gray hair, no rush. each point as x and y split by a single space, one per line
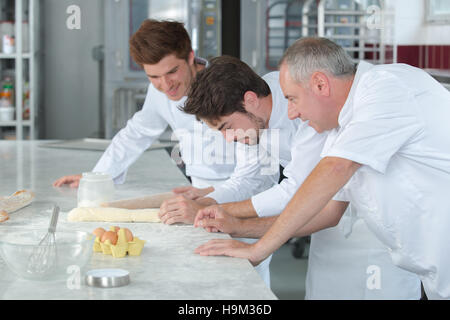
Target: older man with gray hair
387 154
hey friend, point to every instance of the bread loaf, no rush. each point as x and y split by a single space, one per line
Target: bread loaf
3 216
16 201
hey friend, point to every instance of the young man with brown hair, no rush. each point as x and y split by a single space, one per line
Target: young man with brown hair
163 49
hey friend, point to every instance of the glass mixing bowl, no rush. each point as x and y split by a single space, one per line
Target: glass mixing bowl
18 244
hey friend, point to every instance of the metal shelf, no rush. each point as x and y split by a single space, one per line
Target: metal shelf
314 19
25 123
365 49
288 23
14 55
345 13
351 37
19 58
344 25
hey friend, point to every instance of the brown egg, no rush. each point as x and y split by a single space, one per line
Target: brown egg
109 235
116 228
128 234
99 232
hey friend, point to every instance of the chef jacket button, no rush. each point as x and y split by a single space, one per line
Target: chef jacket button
389 249
431 275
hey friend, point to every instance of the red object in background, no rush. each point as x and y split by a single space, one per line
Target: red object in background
425 56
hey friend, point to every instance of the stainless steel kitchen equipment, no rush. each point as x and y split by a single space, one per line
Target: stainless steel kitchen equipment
365 28
107 278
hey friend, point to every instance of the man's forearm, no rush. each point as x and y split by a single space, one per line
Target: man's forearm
240 209
206 201
253 227
329 176
327 218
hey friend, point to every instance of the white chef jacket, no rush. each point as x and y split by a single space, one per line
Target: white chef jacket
205 152
305 146
395 123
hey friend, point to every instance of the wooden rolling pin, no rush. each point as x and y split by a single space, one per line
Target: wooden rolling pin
151 201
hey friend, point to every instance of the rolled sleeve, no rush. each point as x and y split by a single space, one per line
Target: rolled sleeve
247 178
271 202
307 145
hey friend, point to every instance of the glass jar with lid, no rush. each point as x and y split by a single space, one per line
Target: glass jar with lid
94 189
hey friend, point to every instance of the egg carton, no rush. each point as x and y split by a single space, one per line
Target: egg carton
122 247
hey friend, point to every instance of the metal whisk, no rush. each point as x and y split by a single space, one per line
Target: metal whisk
44 254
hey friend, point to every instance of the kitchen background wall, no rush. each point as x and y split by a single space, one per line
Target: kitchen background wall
420 43
71 75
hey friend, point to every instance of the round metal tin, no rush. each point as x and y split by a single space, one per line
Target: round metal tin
107 278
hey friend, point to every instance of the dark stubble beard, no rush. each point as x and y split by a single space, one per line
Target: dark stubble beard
259 122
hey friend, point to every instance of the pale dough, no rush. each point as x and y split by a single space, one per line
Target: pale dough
113 215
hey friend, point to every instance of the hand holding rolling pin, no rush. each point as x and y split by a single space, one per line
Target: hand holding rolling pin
216 219
179 209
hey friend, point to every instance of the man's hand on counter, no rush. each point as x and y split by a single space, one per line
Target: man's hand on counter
179 209
73 181
216 219
232 248
191 192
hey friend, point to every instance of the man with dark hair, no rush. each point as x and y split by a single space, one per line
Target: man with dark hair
220 93
231 98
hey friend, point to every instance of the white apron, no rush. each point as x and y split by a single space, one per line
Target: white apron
349 262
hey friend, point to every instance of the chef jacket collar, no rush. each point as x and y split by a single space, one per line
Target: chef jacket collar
202 61
345 115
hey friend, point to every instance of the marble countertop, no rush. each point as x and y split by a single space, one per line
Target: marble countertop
168 268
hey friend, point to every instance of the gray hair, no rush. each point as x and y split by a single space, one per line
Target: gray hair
308 55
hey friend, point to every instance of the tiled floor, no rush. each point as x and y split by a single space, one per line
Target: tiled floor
288 273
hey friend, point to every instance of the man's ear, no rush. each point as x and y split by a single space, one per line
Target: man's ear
191 58
251 101
320 84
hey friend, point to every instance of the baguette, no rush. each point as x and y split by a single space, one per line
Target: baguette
3 216
16 201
